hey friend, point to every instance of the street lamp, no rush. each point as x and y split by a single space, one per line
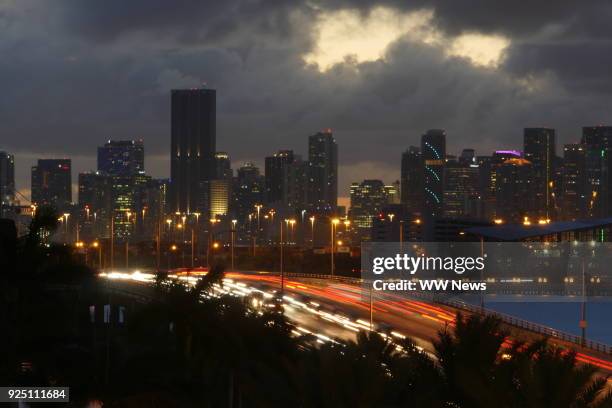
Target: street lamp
292 224
234 222
213 221
258 208
333 224
312 221
128 214
97 245
66 215
173 248
282 273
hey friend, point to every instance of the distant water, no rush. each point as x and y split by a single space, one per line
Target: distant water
563 316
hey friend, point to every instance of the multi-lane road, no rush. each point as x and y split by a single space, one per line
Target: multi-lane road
332 310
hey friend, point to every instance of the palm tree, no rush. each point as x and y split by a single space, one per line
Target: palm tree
548 376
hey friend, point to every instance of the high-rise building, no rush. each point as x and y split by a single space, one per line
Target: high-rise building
412 180
220 190
574 182
223 166
277 177
121 157
193 148
95 198
393 192
297 186
539 146
433 150
7 180
461 189
468 156
52 183
368 198
514 190
247 192
323 172
597 141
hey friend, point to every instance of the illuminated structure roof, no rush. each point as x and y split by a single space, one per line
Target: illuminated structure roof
518 232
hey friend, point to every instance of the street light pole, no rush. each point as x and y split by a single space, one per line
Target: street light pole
192 247
333 224
312 221
282 273
112 242
233 240
127 240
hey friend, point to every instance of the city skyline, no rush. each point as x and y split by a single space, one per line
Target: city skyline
410 67
23 169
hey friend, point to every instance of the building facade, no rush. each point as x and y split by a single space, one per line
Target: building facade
193 148
323 172
433 150
52 183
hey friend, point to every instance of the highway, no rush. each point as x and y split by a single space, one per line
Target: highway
410 317
331 310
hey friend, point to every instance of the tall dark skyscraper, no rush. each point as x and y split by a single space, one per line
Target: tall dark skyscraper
412 180
574 181
597 141
433 150
7 180
193 148
52 183
323 169
121 157
539 146
277 176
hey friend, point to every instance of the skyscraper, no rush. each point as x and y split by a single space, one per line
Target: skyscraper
277 176
539 146
368 198
7 180
412 180
52 183
95 199
574 181
223 166
461 189
121 157
433 150
468 156
323 169
297 191
514 190
220 190
597 141
393 193
247 192
193 148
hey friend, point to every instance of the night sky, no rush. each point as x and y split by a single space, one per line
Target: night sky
75 73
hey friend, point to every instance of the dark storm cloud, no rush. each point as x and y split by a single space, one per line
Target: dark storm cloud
75 73
188 20
583 66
